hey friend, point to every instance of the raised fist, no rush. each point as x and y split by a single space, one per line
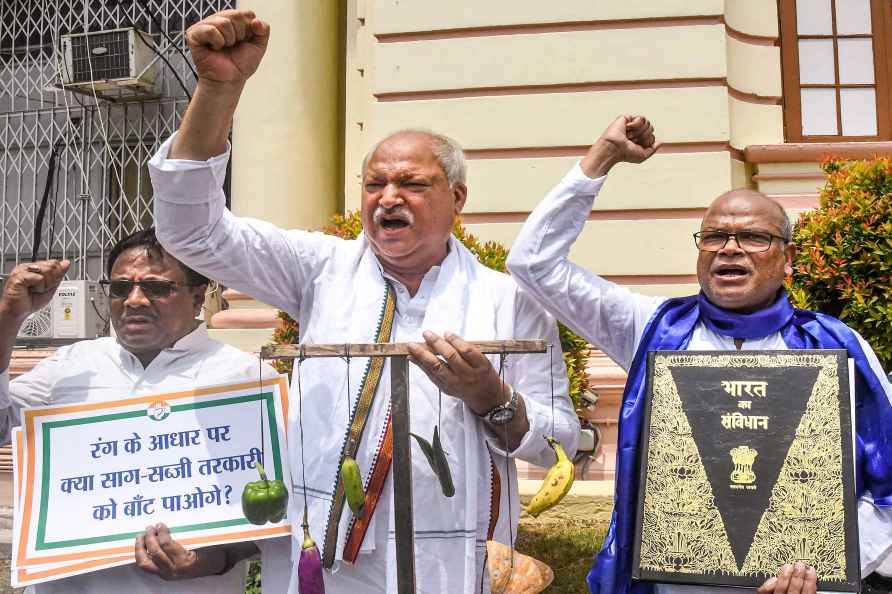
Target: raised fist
629 139
30 287
227 47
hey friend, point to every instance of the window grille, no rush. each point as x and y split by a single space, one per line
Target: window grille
100 190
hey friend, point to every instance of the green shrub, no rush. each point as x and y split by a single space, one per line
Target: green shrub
490 254
843 265
252 583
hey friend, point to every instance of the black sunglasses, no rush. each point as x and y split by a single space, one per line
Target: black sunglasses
152 289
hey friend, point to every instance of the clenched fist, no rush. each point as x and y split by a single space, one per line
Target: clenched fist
227 47
629 139
30 287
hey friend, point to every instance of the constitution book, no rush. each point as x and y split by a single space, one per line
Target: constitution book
747 463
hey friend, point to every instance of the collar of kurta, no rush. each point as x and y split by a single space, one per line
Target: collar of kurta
191 341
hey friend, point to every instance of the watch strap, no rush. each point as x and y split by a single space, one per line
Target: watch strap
510 403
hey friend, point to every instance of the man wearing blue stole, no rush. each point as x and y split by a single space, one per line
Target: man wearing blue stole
745 252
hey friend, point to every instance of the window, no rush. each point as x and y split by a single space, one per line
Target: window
836 70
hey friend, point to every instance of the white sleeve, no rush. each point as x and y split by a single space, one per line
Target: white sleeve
875 537
531 376
30 389
252 256
609 316
875 523
6 411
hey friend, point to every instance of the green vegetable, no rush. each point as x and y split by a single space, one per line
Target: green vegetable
352 481
443 471
264 500
436 457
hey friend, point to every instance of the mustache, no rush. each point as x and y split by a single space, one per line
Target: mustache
400 212
137 313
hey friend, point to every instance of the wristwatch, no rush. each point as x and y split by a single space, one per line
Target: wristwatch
502 414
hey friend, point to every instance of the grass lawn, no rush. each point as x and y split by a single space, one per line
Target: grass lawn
566 538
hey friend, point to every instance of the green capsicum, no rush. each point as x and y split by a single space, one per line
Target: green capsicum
264 500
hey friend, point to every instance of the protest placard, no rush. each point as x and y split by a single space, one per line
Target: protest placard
92 476
24 576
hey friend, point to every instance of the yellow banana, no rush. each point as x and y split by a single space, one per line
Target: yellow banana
352 481
557 482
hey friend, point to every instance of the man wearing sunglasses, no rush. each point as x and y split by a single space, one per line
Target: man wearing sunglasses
159 346
744 253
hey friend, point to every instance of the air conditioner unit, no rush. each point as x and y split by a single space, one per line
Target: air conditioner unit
79 310
108 60
38 325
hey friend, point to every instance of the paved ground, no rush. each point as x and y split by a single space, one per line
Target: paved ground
5 540
4 576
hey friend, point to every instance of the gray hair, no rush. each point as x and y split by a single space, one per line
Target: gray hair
447 151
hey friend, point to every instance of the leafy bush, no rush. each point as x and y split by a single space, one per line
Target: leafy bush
252 583
843 266
490 254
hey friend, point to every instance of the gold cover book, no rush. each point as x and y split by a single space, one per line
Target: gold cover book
747 464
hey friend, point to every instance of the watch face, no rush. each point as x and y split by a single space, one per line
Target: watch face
501 415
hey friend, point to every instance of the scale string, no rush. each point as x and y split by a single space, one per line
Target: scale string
300 423
347 394
502 364
260 401
551 363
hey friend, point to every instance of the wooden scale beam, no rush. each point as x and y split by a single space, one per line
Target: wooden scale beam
399 406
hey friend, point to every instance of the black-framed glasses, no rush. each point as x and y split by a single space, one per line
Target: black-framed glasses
749 241
152 289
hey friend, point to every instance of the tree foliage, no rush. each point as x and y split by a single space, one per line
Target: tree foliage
843 265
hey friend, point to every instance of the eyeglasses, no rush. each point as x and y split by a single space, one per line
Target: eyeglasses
748 241
152 289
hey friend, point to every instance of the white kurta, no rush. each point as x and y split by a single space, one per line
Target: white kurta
101 370
614 318
335 289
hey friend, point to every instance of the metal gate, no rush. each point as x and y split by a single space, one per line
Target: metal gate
99 189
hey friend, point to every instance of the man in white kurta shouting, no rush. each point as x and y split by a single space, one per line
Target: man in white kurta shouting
405 279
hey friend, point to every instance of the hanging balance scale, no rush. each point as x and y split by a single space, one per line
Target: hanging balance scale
310 563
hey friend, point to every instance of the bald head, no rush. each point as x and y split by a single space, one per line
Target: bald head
739 279
447 151
754 198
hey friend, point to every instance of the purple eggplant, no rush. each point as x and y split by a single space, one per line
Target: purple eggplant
309 567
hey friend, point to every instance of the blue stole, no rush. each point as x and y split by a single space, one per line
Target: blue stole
670 328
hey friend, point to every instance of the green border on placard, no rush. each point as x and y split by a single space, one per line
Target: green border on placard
41 543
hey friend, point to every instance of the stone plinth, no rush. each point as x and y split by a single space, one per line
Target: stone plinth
244 313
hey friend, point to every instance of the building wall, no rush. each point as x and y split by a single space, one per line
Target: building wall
286 133
527 86
287 140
